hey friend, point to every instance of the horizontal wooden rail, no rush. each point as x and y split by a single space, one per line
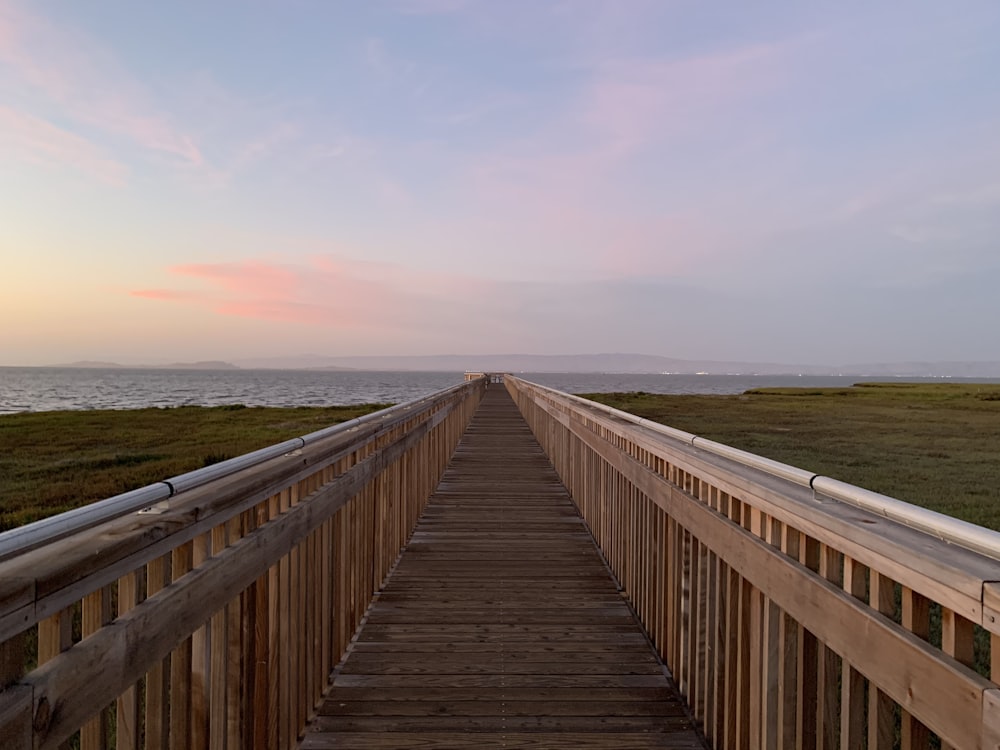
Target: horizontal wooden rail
213 618
789 619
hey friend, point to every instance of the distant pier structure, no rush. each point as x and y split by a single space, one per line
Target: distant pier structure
491 377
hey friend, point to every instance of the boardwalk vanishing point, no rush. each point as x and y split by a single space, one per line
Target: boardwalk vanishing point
501 625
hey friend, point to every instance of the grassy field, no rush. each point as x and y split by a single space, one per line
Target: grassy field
51 462
935 445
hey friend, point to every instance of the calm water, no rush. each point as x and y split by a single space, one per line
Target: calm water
50 388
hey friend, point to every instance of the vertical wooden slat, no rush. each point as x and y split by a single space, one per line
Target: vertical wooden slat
326 590
994 657
756 668
127 718
744 739
180 666
852 686
283 659
916 618
241 659
788 668
200 659
881 714
771 653
958 641
297 645
158 677
713 647
828 678
96 614
695 629
270 696
218 660
55 635
808 677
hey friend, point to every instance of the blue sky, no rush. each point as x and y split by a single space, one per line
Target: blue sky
805 183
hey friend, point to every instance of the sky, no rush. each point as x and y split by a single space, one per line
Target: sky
778 181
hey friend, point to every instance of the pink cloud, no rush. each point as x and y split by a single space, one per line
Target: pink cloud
83 79
326 291
37 140
167 295
250 278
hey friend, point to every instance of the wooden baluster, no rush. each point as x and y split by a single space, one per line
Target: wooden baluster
127 724
200 661
789 635
852 685
916 619
283 658
828 682
713 646
158 677
744 738
808 677
881 711
268 694
241 659
55 635
958 641
180 666
96 614
218 658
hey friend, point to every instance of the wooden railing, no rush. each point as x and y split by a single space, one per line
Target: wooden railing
213 619
789 619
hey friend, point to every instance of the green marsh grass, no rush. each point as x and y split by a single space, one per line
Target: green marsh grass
52 462
935 445
932 444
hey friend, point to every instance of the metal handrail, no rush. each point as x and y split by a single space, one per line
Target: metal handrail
947 528
29 536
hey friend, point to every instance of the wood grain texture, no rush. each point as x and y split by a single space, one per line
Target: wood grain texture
500 625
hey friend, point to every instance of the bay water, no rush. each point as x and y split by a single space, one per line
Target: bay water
54 388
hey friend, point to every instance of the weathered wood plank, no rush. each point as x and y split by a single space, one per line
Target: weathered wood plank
500 624
511 740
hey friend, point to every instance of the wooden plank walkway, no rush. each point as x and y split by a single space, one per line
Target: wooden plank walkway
501 625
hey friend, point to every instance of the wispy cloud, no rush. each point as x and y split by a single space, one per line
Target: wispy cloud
636 103
23 136
172 295
74 74
248 278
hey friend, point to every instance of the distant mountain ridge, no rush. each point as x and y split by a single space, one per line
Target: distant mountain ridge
97 365
650 363
623 363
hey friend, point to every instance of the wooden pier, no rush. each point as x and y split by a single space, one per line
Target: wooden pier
499 565
501 625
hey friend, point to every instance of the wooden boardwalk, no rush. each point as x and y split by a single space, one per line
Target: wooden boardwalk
501 625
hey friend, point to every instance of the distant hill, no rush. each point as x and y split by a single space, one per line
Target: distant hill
295 362
624 363
205 365
90 364
930 369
